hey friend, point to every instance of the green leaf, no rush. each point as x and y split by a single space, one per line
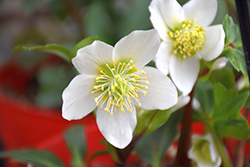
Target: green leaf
37 158
96 154
227 103
204 93
77 144
231 30
152 147
237 59
238 44
58 50
81 44
224 76
235 127
151 120
111 151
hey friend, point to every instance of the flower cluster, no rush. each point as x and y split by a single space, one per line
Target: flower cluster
115 80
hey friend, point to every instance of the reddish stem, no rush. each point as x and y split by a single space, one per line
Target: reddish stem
124 153
184 144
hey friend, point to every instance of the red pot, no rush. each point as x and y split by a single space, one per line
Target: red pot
24 125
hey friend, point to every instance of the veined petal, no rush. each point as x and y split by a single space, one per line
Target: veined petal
139 46
163 56
161 92
89 58
117 128
170 11
78 101
202 12
184 72
214 43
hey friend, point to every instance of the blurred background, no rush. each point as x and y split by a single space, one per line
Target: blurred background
38 78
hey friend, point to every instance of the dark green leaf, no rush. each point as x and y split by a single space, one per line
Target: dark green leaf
77 144
96 154
58 50
204 94
37 158
82 43
152 119
224 76
237 59
235 127
152 147
247 105
231 30
227 103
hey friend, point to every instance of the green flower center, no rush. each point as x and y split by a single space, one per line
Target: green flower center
187 40
119 84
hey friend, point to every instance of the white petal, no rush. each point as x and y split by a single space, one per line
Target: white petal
89 58
202 12
170 11
117 128
77 98
158 22
163 56
184 72
161 92
139 46
214 43
182 101
219 63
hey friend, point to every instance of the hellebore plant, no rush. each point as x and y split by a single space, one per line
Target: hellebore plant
114 80
138 107
187 37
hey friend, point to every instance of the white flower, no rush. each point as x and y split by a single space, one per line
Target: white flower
187 37
203 151
114 80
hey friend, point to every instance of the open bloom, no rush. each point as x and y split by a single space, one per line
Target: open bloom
203 151
187 37
114 80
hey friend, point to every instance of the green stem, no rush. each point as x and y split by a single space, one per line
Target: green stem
219 145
